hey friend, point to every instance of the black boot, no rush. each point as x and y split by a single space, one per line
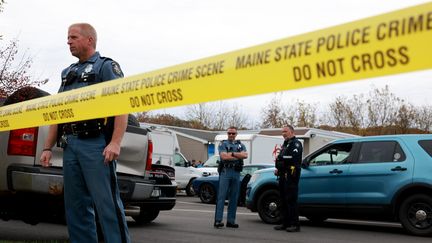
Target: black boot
218 224
295 228
280 227
232 225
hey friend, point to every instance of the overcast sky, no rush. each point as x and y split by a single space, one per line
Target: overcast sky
153 34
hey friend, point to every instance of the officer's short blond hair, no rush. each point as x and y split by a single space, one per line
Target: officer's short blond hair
87 30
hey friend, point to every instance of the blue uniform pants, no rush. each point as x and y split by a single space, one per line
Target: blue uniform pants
89 184
229 184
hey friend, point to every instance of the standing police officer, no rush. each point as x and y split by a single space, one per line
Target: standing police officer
288 165
231 152
91 148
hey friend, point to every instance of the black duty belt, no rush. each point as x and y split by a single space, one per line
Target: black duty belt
84 127
228 165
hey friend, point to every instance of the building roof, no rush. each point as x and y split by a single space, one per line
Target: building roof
200 134
305 132
300 132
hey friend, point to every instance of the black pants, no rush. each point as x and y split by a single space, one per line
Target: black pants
288 188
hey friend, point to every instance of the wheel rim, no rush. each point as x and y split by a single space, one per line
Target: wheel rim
271 208
206 193
420 215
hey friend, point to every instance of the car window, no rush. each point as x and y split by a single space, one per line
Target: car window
179 160
427 146
212 161
334 154
381 151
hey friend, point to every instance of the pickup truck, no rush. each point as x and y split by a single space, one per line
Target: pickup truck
33 193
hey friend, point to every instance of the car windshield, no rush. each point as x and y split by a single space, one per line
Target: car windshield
212 161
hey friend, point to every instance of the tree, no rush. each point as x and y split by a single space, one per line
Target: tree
14 73
236 118
216 116
1 6
273 115
382 107
219 121
306 114
201 113
277 114
337 116
405 118
423 118
143 116
346 112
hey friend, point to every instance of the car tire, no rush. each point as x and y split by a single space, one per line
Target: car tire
189 189
146 217
269 207
207 193
415 214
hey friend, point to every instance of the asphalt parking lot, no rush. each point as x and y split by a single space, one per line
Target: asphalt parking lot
192 221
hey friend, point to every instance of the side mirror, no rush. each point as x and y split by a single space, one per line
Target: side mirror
333 151
305 163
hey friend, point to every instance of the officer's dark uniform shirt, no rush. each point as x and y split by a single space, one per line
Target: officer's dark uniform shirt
231 146
291 153
95 70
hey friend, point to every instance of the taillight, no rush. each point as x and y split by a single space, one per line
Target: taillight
23 141
149 155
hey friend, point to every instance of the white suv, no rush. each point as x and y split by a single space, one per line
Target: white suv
185 174
209 167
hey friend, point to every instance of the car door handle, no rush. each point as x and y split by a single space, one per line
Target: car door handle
399 168
336 171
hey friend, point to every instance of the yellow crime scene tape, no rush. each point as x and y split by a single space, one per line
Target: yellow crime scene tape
391 43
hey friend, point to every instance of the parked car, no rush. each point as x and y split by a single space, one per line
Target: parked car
163 177
380 178
207 187
185 174
209 168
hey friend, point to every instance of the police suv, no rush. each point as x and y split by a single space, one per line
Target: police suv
375 178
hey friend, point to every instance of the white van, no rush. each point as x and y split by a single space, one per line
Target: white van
166 151
261 148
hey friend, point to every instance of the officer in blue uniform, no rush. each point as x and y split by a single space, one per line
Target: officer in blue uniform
232 153
288 166
91 148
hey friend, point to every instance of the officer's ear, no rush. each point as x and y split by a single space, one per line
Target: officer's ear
92 42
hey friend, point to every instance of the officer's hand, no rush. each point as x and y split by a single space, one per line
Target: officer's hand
276 172
111 152
46 158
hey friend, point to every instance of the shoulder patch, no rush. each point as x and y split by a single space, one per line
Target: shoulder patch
116 68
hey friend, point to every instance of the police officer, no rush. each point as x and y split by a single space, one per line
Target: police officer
231 152
91 148
288 165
